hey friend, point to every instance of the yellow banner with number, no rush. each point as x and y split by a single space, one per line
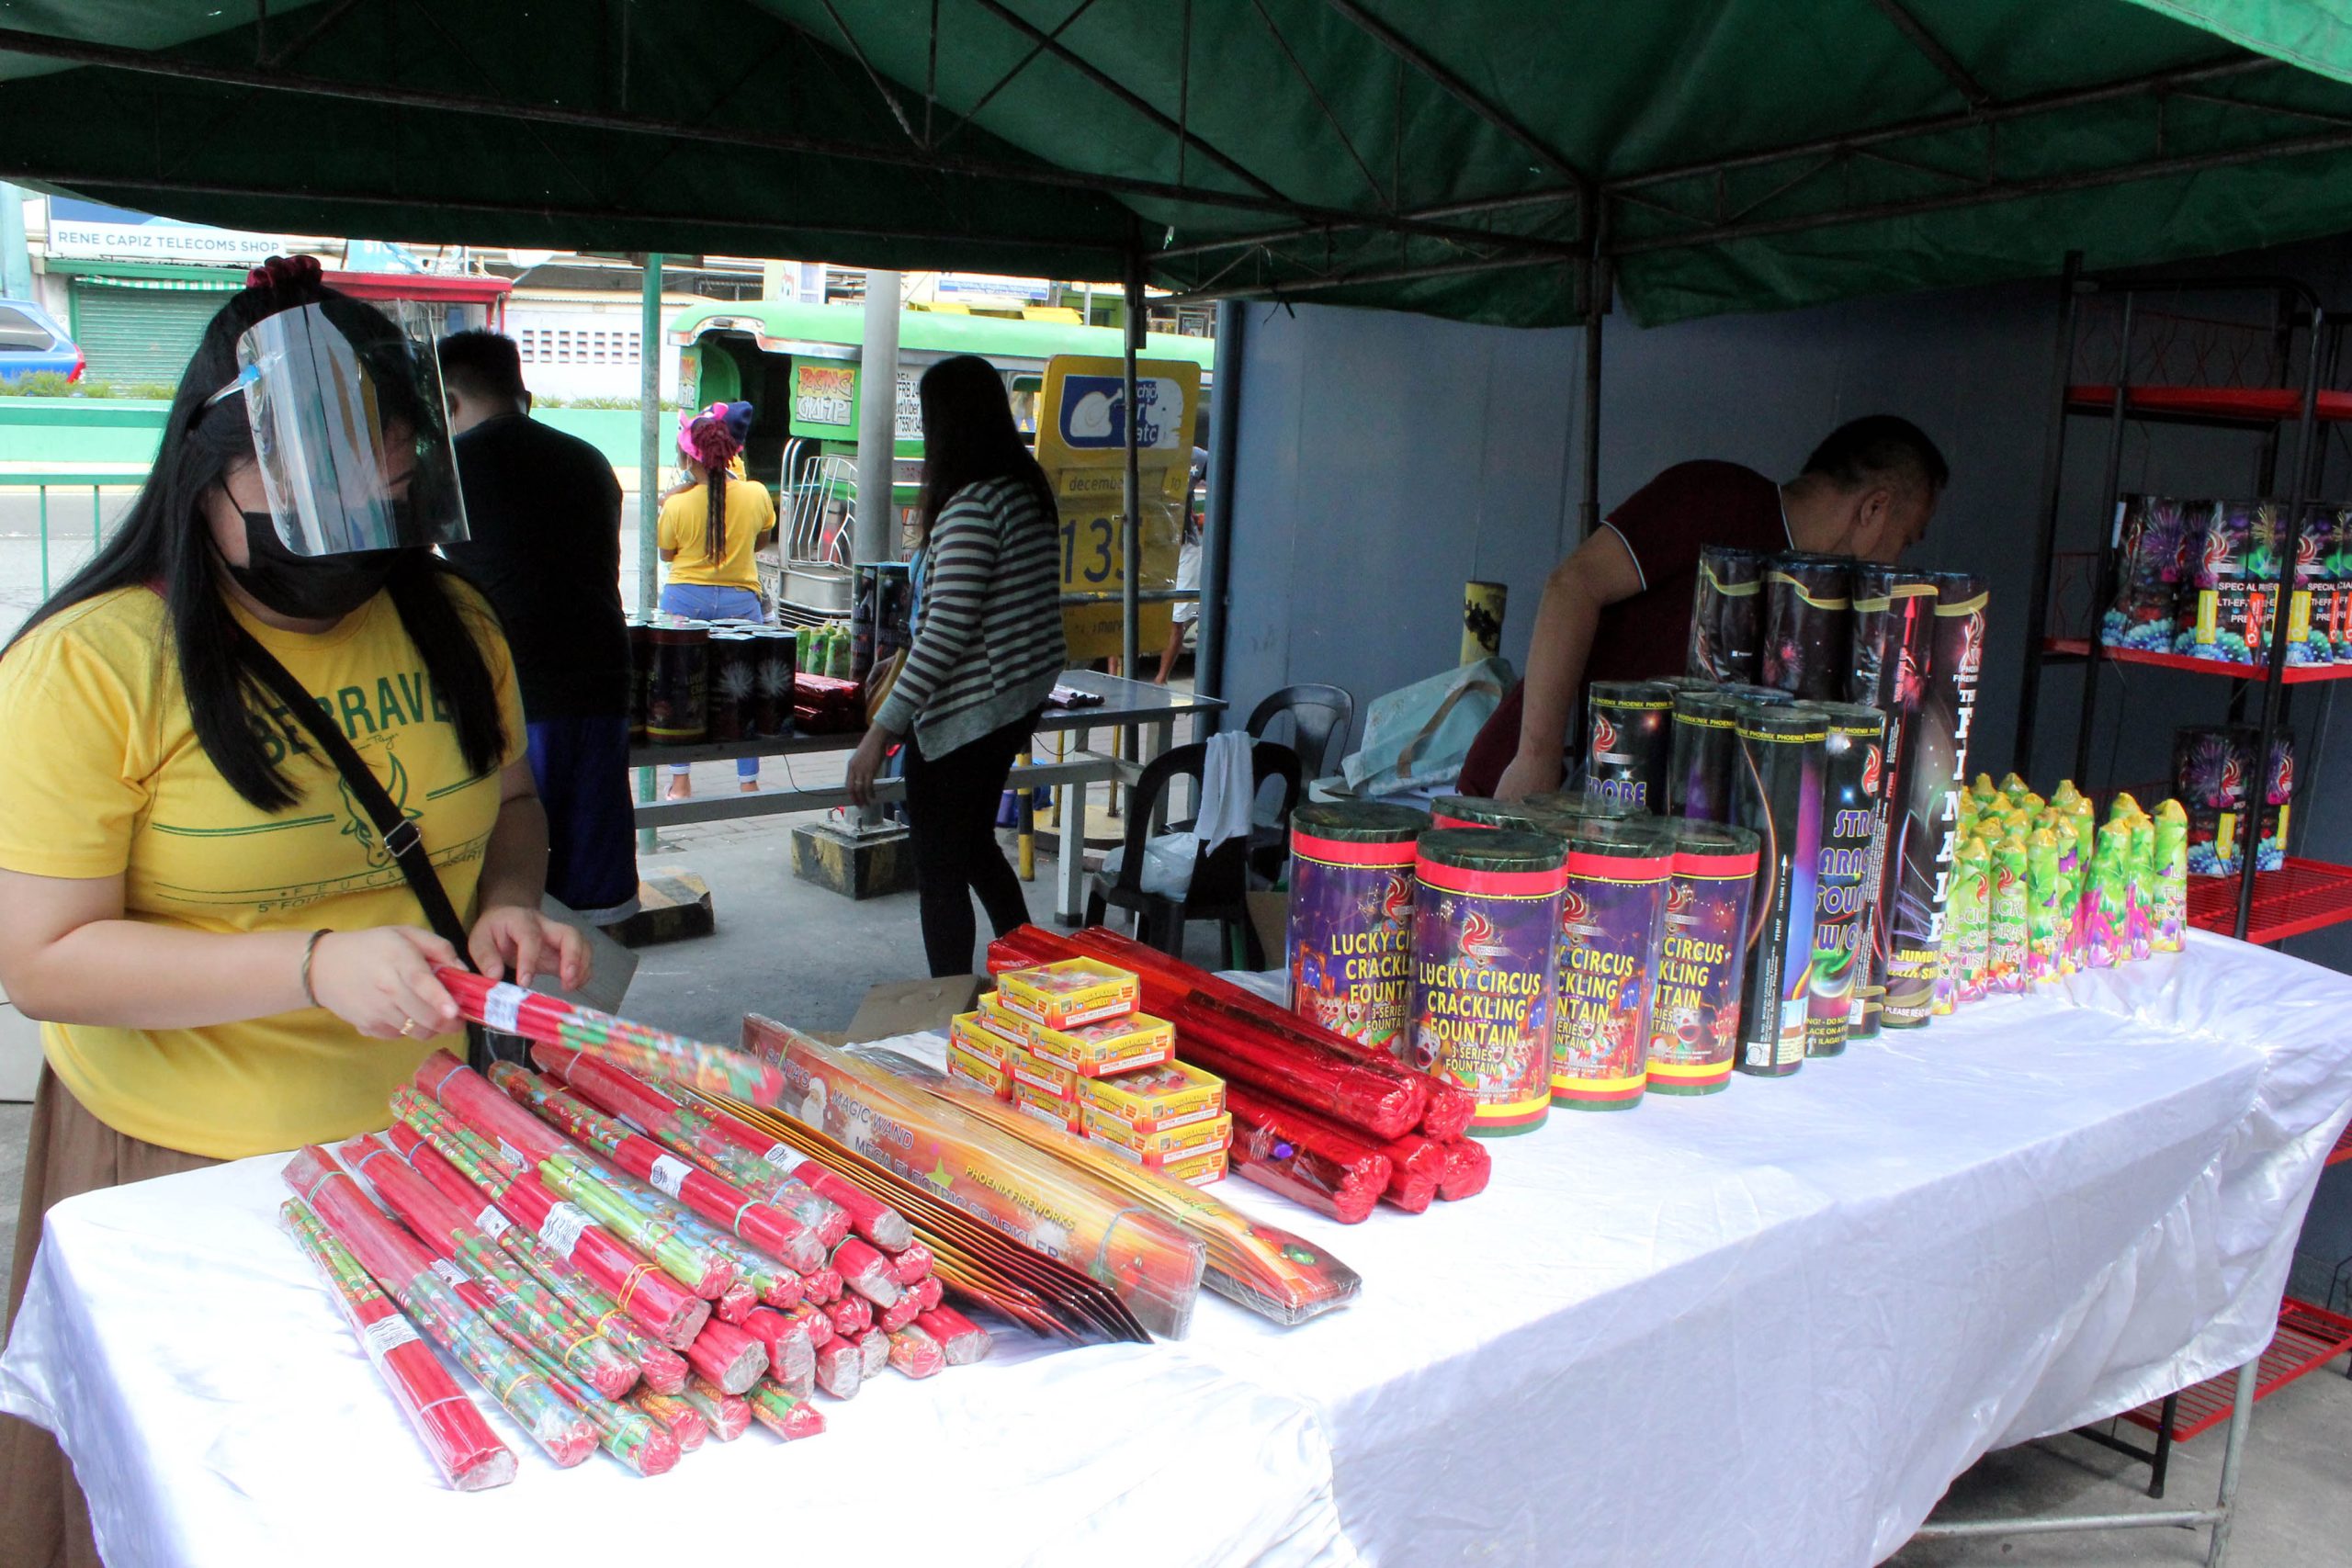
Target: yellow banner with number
1082 445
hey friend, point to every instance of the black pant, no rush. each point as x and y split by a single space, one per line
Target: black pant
950 820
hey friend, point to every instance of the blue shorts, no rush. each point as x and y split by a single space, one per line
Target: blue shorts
707 602
582 766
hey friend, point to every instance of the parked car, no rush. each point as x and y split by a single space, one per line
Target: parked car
31 342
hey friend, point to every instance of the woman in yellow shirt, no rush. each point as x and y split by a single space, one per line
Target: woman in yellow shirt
708 533
226 954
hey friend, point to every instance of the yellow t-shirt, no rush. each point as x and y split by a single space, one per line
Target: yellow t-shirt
686 518
105 776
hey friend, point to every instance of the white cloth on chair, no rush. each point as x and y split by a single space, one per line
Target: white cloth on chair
1226 789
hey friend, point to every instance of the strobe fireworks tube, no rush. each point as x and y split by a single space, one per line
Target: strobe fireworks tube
1726 615
1853 768
1808 624
1611 917
1702 958
1349 933
1933 770
1894 617
1779 801
1486 934
1628 736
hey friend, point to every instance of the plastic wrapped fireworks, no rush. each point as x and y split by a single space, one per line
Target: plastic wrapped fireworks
1349 930
2213 774
650 1053
1808 624
1780 802
2154 537
1485 933
1893 628
1919 851
1728 614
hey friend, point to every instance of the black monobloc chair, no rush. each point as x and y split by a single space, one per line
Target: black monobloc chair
1321 718
1220 880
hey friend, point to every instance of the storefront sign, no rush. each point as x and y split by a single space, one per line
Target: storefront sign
71 239
824 399
1082 443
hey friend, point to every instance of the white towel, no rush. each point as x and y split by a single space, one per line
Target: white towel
1226 790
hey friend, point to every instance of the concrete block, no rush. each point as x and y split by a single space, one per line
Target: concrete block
854 865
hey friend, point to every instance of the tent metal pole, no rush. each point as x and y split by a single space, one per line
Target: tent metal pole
1216 541
2045 544
2217 1551
1387 274
648 478
1596 291
1314 230
2103 594
1131 536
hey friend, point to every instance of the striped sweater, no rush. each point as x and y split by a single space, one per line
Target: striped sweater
988 645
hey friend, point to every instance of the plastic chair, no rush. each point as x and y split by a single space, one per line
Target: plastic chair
1220 881
1320 720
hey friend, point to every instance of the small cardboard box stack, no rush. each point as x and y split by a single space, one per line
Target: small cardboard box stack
1064 1043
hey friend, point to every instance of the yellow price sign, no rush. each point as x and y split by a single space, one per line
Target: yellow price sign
1082 445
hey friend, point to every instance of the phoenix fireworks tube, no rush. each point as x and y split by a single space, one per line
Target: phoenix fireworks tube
1931 770
1349 932
1479 811
1486 935
403 1266
1611 916
1808 624
1853 768
1628 736
1780 802
1728 614
464 1448
1702 956
1893 626
1705 750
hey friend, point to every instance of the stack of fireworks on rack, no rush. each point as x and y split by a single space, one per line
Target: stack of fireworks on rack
1316 1116
696 681
637 1285
1064 1043
2041 890
2201 577
2213 766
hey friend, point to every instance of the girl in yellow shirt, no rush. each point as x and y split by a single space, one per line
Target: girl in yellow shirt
226 954
708 533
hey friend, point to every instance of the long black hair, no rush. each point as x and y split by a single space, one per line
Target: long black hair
968 437
714 446
166 542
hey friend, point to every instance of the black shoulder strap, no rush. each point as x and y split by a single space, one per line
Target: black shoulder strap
392 826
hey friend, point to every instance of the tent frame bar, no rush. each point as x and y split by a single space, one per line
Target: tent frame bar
1931 48
1272 292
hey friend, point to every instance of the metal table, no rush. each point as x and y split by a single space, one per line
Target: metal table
1129 705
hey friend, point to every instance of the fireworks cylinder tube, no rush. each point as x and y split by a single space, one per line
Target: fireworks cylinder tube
1628 738
2008 932
1611 922
2172 877
1808 624
1728 614
1933 768
2044 927
1486 938
1702 958
1967 927
1701 756
1349 936
1779 801
1894 625
2107 897
1854 769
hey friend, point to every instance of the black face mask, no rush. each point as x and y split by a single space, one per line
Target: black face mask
307 587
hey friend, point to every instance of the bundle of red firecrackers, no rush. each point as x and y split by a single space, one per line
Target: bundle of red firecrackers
618 1267
824 705
1319 1117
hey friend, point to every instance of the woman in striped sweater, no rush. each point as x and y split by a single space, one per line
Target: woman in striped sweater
988 649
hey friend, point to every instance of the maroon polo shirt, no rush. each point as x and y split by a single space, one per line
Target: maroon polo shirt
1665 523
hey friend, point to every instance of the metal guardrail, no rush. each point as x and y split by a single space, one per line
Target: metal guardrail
41 481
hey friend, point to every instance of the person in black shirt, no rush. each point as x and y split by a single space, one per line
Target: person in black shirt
543 512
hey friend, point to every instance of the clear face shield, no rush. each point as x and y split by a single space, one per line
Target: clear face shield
350 429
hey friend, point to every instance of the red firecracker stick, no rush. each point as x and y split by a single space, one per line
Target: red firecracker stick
784 1339
736 1302
1467 1164
399 1263
892 1319
673 1314
851 1315
726 1415
822 1288
963 1340
766 1227
932 1292
685 1423
533 1312
840 1368
913 1263
665 1369
1304 1157
1241 1059
916 1353
802 1385
787 1414
535 1016
1415 1165
868 1215
866 1271
464 1448
693 1136
726 1356
873 1353
813 1323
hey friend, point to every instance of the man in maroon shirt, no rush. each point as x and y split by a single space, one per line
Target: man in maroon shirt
1619 609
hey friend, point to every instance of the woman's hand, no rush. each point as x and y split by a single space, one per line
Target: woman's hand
380 981
513 942
865 764
1529 775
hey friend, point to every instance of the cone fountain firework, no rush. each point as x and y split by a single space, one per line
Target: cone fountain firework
1893 629
1610 924
1779 801
1702 957
2044 896
1728 614
1808 624
1933 764
2172 876
1486 935
1967 927
2010 918
1350 933
1628 738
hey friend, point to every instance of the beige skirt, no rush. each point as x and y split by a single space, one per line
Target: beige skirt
43 1523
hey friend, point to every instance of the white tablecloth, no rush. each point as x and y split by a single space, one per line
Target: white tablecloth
1766 1326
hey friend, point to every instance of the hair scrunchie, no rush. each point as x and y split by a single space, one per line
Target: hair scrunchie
287 275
